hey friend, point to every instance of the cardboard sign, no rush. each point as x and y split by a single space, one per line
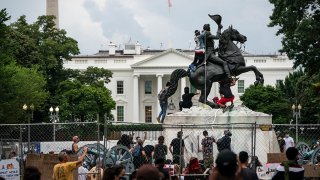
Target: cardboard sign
276 157
10 169
311 170
267 171
169 168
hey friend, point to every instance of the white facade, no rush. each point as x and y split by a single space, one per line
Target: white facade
138 76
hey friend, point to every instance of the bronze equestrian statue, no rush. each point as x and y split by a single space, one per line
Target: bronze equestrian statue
210 71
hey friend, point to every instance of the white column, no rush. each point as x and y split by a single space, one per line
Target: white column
183 85
159 85
136 103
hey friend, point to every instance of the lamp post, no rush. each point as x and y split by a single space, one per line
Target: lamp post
296 113
31 107
54 116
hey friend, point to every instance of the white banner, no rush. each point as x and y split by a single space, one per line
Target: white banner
266 171
10 169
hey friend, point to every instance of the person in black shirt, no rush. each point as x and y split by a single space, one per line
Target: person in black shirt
246 173
186 99
177 144
290 170
226 93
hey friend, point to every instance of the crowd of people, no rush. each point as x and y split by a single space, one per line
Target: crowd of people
153 163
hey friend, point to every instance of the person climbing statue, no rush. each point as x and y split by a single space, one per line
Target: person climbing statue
226 94
199 52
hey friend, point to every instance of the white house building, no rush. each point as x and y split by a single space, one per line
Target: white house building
138 76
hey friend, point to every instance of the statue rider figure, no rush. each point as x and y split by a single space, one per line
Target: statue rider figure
210 50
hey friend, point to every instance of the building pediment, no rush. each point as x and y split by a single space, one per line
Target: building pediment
168 58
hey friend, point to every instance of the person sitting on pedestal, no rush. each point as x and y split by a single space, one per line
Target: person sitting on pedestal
186 99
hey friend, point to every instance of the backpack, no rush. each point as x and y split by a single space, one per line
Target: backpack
162 94
160 151
136 151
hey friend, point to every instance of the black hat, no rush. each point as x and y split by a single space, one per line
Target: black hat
227 163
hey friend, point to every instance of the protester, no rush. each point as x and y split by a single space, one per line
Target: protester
108 174
226 167
144 137
82 173
163 100
225 141
160 149
64 169
119 172
207 149
139 155
281 141
159 163
290 170
226 93
31 173
246 173
149 172
193 168
186 99
178 149
125 141
288 140
75 147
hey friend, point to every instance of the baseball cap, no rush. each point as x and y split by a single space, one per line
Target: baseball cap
227 163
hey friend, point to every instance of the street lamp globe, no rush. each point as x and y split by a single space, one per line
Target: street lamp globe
57 109
299 107
25 107
31 107
293 107
51 109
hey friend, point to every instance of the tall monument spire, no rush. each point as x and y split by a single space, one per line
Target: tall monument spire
53 9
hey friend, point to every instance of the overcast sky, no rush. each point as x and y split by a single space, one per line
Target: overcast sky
94 23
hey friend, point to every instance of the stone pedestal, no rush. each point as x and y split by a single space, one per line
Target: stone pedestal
240 121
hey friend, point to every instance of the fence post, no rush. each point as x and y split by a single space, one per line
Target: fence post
29 136
98 144
181 154
21 152
54 131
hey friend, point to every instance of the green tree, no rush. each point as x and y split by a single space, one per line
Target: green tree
18 84
269 100
84 96
308 97
289 85
299 23
21 85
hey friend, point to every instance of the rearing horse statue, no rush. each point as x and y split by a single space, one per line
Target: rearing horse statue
207 73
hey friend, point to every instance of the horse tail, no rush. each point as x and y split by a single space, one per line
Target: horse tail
176 75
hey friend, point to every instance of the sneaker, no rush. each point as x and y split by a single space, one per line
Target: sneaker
158 119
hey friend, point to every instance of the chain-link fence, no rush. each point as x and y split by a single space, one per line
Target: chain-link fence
177 147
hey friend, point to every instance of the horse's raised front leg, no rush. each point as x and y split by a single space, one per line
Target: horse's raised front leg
204 97
258 74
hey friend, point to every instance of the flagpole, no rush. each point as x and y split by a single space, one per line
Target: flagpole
169 28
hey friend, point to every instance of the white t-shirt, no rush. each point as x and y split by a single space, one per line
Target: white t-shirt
82 173
289 142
